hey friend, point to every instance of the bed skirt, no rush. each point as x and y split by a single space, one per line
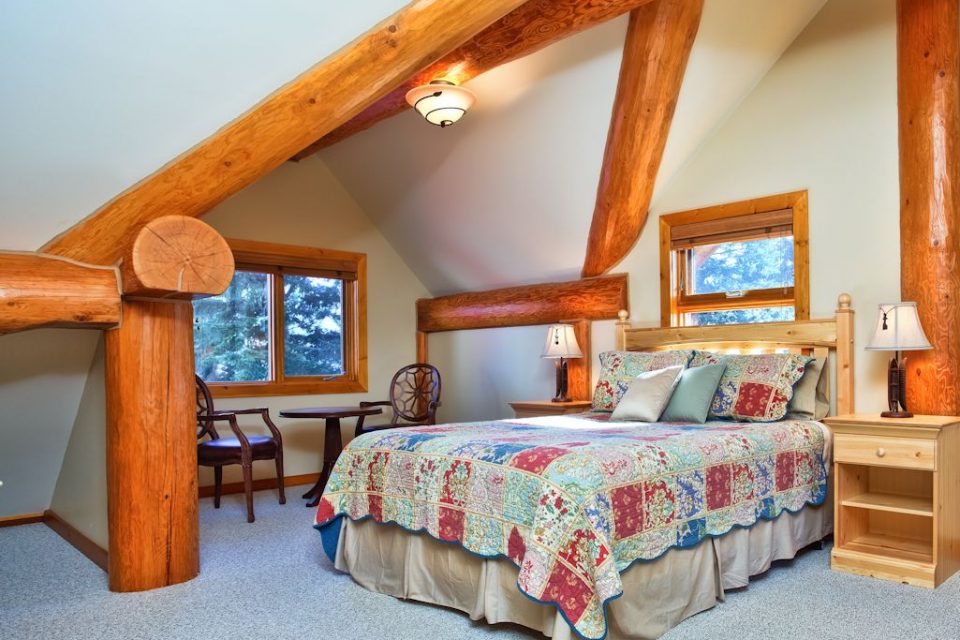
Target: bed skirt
657 595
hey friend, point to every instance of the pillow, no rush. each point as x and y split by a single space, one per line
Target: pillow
647 395
810 395
619 368
755 387
694 393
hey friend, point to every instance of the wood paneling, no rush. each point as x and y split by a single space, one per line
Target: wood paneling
529 28
177 257
151 447
321 99
587 299
94 552
928 82
659 39
38 290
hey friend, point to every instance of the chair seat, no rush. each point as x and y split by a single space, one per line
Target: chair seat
221 449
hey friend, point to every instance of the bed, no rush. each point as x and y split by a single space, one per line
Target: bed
576 526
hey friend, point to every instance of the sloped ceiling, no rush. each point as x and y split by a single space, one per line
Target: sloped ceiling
506 196
97 95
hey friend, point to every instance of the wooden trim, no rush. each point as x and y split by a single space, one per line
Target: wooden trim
315 103
659 39
588 299
672 304
529 28
94 552
261 484
754 224
15 521
295 256
42 291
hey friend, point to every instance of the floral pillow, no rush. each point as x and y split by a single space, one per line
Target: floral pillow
754 388
620 368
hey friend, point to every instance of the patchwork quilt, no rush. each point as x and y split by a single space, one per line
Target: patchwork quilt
573 501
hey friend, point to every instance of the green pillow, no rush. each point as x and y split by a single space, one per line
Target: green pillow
694 393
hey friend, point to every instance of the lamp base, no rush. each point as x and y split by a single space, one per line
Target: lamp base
560 399
896 414
561 382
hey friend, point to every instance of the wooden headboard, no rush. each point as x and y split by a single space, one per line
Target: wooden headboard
809 336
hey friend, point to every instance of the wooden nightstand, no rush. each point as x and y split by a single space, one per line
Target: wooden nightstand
897 483
536 408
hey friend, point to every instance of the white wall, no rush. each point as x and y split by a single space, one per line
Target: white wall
304 204
42 375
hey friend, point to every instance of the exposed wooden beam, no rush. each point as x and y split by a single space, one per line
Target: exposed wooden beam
524 30
315 103
588 299
38 291
151 447
928 81
659 39
177 257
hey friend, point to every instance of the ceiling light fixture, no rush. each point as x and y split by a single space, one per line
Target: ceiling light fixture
441 102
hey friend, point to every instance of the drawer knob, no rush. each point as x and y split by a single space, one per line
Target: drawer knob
881 452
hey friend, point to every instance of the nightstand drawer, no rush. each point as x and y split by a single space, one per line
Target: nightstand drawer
910 453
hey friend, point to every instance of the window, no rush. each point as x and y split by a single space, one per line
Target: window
736 263
293 321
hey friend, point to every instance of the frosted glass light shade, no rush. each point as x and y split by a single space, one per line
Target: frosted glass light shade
561 342
441 103
903 331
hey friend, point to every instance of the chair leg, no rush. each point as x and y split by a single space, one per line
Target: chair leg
217 485
248 488
279 461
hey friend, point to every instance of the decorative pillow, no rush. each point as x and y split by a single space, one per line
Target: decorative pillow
691 399
647 395
810 400
755 387
619 368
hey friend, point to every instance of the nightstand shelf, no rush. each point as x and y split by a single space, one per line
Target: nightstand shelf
894 483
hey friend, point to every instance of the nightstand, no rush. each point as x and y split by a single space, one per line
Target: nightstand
896 487
536 408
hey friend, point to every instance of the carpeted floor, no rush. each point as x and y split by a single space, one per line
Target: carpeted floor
271 580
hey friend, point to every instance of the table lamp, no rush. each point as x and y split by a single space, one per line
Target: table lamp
561 345
898 329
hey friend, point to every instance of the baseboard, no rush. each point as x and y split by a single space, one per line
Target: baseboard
262 484
26 518
80 542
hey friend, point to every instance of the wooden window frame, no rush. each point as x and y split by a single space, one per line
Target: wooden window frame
674 303
279 259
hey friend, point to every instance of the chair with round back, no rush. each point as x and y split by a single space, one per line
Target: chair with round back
242 449
414 398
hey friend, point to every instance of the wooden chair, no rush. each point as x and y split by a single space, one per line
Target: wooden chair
242 449
414 397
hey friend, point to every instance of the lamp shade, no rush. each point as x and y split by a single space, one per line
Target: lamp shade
561 342
441 102
898 329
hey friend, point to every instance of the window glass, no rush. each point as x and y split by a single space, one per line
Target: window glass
739 316
739 266
312 326
231 336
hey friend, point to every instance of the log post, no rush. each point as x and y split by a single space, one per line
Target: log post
151 447
928 87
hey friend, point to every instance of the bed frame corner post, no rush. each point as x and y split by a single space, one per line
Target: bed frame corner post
622 325
845 382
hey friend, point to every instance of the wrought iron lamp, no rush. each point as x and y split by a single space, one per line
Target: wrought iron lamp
441 102
898 329
561 345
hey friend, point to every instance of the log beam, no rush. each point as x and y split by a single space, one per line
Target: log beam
151 447
659 39
588 299
177 257
38 291
928 83
526 29
315 103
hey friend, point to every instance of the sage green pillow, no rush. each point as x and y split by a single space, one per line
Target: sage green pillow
694 393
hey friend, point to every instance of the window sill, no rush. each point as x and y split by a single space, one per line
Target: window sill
286 388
